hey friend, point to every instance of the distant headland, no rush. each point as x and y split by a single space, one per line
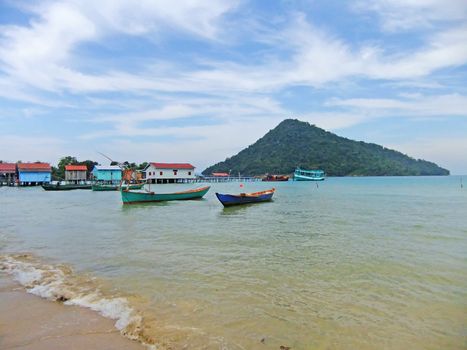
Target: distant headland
295 143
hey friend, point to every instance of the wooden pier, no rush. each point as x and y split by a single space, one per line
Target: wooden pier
226 179
212 179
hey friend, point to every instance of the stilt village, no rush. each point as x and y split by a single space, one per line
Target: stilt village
134 182
40 173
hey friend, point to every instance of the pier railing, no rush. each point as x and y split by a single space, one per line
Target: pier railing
224 179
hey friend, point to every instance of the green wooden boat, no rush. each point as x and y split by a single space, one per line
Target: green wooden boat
65 187
110 187
132 197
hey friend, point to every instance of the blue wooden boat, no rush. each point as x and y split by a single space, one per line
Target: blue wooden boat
308 175
228 200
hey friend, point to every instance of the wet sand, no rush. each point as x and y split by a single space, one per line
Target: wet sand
28 322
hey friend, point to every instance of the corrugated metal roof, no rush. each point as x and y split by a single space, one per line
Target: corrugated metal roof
76 167
45 167
107 167
173 165
7 167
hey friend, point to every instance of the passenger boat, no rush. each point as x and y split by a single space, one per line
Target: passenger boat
245 198
131 197
275 178
308 175
113 187
65 187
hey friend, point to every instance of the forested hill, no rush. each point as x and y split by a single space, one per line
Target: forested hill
295 143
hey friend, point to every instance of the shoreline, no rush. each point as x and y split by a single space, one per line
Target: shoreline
30 322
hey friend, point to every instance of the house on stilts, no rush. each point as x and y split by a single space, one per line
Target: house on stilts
163 173
34 174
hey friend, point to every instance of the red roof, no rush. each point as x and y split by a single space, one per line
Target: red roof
7 167
76 167
172 165
34 167
220 174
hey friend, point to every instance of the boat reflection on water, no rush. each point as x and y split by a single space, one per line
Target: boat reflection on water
236 210
146 205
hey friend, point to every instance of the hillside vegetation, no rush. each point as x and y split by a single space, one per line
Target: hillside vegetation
295 143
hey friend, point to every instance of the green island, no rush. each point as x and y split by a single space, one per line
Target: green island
295 143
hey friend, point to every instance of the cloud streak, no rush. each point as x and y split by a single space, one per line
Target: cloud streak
405 15
316 58
412 105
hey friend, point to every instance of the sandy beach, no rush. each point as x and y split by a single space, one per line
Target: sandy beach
30 322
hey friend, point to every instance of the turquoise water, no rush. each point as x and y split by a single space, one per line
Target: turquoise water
344 264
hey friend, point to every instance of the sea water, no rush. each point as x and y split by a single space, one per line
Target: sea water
348 263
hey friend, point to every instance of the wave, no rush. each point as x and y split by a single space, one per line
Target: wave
60 283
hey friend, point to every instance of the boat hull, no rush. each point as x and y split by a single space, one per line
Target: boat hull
116 187
308 178
228 200
67 187
132 187
130 197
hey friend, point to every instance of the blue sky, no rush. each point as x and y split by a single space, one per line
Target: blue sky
197 81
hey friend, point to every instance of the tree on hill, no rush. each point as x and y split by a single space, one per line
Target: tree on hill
294 143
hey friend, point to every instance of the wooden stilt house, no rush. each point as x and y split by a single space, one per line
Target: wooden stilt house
33 174
76 173
7 174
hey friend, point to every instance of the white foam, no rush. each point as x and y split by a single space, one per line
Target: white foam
113 308
27 277
22 273
58 283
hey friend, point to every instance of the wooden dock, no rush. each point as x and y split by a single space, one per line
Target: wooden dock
227 179
216 179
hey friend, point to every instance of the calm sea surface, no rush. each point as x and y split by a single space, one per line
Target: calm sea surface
350 263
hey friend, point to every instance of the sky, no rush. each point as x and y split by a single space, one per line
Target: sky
197 81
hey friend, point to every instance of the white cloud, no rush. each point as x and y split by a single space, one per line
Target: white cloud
246 110
30 54
14 91
408 105
449 153
445 49
397 15
40 54
335 120
141 17
316 56
321 58
27 148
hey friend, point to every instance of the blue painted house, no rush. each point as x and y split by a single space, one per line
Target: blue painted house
34 173
107 173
